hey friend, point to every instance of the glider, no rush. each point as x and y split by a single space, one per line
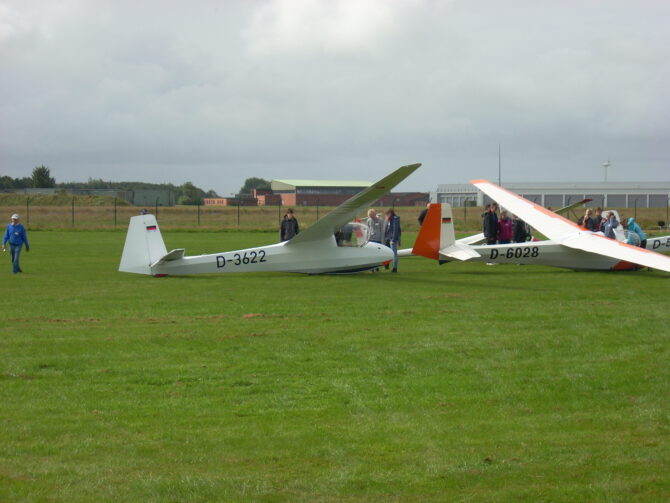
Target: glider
568 246
313 251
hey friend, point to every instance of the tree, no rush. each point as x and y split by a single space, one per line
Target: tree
42 179
254 183
190 194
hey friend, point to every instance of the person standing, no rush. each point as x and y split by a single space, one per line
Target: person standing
422 215
598 220
15 235
505 229
587 221
611 223
375 227
636 235
392 235
520 230
289 226
490 224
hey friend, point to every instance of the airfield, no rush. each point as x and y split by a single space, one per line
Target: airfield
459 382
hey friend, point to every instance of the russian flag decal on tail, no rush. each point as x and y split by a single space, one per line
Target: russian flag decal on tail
151 227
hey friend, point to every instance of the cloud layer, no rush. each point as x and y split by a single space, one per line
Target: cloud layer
215 92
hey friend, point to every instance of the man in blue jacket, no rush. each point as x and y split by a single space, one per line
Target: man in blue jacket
15 234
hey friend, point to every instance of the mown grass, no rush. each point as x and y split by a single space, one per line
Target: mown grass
454 383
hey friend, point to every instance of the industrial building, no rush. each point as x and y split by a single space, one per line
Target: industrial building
316 193
558 194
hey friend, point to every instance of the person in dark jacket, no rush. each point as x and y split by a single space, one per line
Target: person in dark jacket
587 221
392 235
289 226
15 235
520 230
422 215
490 224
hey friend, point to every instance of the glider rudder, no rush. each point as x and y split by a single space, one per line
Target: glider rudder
428 243
144 245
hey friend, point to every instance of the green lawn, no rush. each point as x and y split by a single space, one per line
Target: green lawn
459 382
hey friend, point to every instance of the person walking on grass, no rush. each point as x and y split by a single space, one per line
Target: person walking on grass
392 235
15 235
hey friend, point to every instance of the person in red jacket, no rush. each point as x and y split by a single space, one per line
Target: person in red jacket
505 229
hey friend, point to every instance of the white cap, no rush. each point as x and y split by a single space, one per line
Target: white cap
15 216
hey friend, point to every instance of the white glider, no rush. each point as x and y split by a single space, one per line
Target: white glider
312 251
568 246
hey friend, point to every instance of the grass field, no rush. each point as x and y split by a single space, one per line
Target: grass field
97 214
442 383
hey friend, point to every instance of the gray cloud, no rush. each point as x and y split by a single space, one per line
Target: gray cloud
215 92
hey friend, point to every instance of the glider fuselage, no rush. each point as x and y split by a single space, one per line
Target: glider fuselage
308 258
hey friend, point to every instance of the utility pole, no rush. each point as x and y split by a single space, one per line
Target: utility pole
499 167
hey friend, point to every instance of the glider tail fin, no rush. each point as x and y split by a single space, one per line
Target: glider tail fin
437 239
144 245
437 232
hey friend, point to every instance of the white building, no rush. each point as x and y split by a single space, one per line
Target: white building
559 194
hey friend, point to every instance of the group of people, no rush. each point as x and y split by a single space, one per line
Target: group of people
503 229
386 231
607 223
596 221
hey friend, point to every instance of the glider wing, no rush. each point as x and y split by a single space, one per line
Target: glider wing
547 222
328 225
569 234
595 243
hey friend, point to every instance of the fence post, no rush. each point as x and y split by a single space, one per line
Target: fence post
28 210
72 211
115 213
198 214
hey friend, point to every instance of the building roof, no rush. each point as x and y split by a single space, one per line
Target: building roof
292 184
562 186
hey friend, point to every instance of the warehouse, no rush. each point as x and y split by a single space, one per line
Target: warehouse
335 192
558 194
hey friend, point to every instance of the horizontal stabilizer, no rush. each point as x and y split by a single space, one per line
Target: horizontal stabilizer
172 255
459 252
472 240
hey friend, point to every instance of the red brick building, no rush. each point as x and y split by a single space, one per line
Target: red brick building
317 193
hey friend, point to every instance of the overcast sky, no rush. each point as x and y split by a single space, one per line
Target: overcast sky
215 92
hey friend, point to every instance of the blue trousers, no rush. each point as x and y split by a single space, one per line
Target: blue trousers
394 247
15 252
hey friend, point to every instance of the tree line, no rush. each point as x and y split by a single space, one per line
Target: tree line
41 179
189 194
